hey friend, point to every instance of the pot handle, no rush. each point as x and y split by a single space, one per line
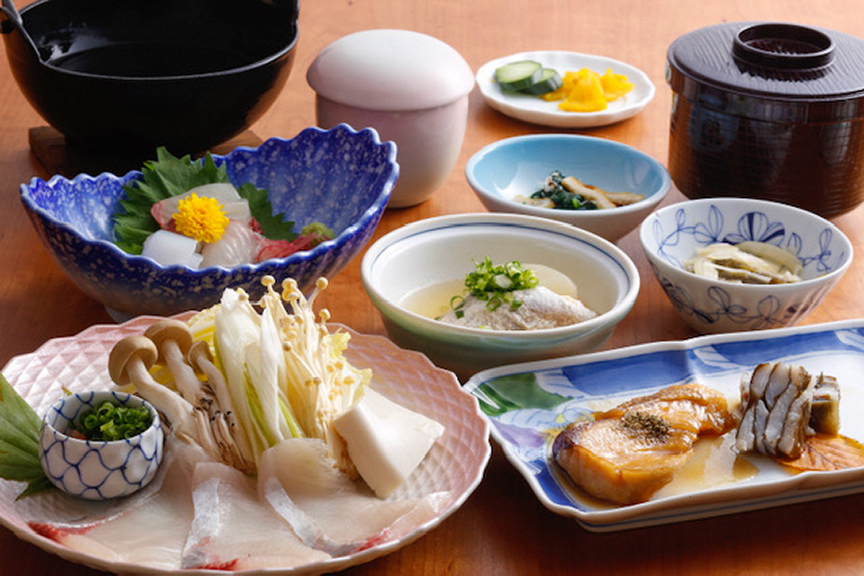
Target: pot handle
10 21
786 46
12 17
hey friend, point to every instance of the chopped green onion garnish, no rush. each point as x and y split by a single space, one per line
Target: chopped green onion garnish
496 284
108 421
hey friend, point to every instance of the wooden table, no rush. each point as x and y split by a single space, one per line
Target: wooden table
502 529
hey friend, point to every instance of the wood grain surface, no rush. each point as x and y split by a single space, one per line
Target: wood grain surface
502 529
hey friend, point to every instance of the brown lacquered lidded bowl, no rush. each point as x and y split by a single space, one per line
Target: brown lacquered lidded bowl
771 111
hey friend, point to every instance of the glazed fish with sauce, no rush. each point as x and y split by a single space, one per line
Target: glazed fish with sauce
626 454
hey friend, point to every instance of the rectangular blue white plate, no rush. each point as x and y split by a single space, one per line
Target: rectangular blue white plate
527 404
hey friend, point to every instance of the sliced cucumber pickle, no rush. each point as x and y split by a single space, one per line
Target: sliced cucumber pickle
549 81
517 76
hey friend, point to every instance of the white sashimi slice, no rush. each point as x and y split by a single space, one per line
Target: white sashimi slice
238 245
342 510
168 248
233 205
233 530
150 535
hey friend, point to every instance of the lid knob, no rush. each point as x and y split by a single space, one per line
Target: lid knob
786 46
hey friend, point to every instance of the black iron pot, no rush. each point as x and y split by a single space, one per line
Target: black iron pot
137 74
769 110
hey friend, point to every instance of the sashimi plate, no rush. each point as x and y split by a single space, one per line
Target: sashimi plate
528 404
535 110
453 467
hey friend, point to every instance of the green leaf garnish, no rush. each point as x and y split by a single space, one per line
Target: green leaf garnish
496 284
273 226
171 176
19 441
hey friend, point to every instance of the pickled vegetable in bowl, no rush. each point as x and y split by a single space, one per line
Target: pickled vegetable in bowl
730 264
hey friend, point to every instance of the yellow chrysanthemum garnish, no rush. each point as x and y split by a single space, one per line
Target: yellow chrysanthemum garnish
201 218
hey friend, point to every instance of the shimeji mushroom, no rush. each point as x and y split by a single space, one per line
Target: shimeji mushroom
129 363
173 339
201 359
232 443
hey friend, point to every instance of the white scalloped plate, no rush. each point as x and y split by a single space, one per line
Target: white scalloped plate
538 111
455 464
528 404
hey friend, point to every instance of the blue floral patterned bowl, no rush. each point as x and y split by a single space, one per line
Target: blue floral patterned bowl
340 177
96 470
672 235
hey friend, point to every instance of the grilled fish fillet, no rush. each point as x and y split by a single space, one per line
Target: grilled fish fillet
627 453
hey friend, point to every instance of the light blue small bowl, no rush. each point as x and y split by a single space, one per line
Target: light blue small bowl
520 165
672 235
96 470
340 177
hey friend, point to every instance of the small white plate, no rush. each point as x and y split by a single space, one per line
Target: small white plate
454 465
527 404
538 111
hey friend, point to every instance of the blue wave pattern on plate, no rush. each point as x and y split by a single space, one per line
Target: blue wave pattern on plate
529 404
753 226
97 470
340 177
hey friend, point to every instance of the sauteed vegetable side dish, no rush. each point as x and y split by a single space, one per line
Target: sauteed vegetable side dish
569 193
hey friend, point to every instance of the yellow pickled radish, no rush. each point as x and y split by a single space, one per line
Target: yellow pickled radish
615 85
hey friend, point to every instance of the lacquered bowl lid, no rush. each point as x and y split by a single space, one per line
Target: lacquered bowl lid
787 62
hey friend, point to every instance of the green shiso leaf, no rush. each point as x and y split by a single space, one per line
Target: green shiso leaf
19 441
273 226
171 176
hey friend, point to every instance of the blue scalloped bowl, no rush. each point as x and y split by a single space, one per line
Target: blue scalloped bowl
340 177
671 236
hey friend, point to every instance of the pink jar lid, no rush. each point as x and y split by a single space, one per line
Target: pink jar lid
390 70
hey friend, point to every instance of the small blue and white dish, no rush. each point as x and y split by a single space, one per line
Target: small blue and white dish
98 470
520 165
672 235
340 177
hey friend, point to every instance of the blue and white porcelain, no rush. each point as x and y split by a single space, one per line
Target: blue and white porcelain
340 177
98 470
672 235
520 165
528 404
432 251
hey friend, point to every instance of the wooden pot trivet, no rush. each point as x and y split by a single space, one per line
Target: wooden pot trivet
50 148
